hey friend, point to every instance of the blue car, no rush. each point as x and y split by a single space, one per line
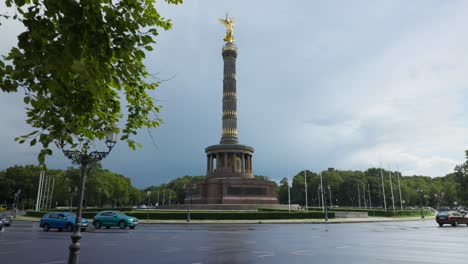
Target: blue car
61 220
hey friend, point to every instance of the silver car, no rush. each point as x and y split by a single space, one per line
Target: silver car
6 219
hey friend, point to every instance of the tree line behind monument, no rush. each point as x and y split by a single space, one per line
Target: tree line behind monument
106 188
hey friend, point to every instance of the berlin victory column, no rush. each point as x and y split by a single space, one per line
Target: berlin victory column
229 172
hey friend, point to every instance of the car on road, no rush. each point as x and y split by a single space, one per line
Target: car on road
114 218
61 220
451 217
6 219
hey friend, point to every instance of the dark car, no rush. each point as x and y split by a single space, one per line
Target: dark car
61 220
6 219
451 217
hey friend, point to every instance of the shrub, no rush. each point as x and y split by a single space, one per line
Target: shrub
180 215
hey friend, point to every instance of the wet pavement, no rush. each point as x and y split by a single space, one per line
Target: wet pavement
389 242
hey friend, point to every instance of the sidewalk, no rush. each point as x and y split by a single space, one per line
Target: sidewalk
276 221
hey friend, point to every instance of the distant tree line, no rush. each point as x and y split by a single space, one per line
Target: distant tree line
347 188
103 188
364 188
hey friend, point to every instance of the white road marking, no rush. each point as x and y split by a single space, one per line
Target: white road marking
204 248
53 262
266 255
13 243
302 253
409 260
170 250
343 247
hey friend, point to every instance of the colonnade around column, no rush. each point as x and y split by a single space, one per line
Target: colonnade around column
229 162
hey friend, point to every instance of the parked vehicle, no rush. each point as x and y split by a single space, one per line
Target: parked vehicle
61 220
114 218
451 217
6 219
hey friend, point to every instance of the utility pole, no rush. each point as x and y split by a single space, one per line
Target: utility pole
305 185
391 189
383 189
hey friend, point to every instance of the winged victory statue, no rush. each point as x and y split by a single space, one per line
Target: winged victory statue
229 24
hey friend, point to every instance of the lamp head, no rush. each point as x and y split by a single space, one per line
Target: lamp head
111 137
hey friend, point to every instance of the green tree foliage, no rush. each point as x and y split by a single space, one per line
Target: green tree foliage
173 191
461 177
344 189
105 189
282 191
78 62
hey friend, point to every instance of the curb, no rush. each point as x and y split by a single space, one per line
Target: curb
333 221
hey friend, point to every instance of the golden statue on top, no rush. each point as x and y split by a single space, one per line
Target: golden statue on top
229 24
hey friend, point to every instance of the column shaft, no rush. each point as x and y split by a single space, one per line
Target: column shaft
235 161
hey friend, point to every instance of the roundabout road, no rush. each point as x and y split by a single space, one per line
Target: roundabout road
391 242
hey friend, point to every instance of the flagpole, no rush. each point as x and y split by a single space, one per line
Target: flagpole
305 184
383 188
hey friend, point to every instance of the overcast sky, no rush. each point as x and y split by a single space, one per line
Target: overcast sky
343 84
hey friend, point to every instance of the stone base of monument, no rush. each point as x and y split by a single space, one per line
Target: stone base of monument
235 191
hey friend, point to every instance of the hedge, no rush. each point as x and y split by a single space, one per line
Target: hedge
93 209
213 215
378 212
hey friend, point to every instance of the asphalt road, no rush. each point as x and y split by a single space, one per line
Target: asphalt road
394 242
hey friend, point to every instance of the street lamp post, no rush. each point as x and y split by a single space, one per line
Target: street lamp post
188 196
420 191
370 200
359 196
442 195
85 159
72 193
318 194
17 193
324 207
148 193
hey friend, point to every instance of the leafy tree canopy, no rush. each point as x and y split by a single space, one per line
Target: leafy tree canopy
77 62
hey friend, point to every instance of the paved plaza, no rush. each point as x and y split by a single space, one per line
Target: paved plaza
389 242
